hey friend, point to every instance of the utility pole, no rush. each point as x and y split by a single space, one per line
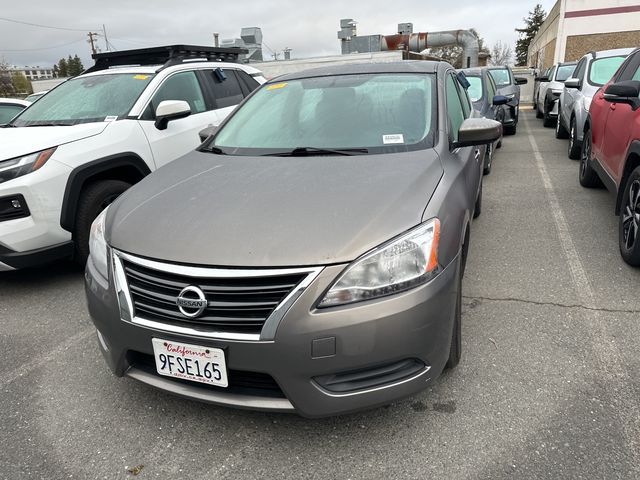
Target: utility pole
91 41
106 41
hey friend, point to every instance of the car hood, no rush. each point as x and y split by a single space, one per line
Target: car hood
19 141
208 209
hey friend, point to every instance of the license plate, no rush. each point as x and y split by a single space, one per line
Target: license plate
190 362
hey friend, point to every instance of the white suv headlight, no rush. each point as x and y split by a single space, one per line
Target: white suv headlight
403 263
16 167
98 245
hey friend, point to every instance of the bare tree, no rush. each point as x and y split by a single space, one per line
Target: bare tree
501 54
6 85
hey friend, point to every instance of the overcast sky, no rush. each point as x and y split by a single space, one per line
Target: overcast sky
309 28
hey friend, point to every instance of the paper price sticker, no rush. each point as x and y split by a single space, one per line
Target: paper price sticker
393 138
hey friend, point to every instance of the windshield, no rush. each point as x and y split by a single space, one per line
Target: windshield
376 112
475 88
501 76
564 72
602 69
95 98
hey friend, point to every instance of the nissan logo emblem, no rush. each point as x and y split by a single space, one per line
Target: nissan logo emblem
191 301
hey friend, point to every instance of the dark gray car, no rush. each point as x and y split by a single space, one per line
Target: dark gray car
308 257
482 92
509 86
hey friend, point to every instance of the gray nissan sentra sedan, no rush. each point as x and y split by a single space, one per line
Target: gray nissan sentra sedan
308 257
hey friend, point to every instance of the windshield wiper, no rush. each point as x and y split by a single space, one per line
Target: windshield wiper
214 149
306 151
7 125
51 125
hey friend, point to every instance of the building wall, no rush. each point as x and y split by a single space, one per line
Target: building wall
545 39
583 25
578 45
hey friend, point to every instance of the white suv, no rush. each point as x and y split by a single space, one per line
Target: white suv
71 153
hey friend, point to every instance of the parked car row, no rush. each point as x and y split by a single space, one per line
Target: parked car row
599 111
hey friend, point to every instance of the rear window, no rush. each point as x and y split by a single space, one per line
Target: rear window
602 69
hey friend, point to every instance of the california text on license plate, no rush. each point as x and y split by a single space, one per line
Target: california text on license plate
190 362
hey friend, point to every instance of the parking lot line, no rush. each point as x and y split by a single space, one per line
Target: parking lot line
603 343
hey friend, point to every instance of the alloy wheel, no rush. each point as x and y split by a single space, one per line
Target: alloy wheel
572 135
631 216
586 153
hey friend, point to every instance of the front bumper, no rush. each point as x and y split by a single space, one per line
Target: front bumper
412 326
511 113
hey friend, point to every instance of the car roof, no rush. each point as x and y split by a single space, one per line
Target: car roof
15 101
153 69
407 66
614 52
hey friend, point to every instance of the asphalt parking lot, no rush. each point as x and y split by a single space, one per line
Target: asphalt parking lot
547 387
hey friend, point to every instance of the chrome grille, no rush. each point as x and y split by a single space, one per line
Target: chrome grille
237 304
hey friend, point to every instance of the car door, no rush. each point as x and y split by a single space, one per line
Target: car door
181 135
458 109
619 125
497 111
571 95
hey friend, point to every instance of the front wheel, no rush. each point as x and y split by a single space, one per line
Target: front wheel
477 209
575 148
94 198
488 157
561 131
547 119
629 222
587 176
455 350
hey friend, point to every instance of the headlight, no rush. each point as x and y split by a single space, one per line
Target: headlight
511 96
98 245
587 103
398 265
16 167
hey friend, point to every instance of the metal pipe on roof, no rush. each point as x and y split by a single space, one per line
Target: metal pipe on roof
417 42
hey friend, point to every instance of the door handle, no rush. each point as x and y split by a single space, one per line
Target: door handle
476 154
612 106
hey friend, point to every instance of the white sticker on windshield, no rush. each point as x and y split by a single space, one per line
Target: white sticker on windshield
111 118
395 138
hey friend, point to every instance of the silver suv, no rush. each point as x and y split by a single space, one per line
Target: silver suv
592 72
549 90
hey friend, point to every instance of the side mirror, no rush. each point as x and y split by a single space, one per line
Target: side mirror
500 100
207 132
478 131
624 92
521 81
572 82
171 110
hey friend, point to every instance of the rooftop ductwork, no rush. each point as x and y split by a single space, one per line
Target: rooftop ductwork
408 41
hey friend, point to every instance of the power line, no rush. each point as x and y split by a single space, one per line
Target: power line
44 26
43 48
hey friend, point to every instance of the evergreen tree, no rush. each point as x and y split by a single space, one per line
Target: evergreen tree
532 24
62 68
78 64
20 83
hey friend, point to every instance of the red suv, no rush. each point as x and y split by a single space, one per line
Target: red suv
611 150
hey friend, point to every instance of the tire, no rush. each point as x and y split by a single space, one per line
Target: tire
94 198
561 131
499 144
575 146
489 161
511 129
538 112
629 222
477 209
455 350
547 119
587 175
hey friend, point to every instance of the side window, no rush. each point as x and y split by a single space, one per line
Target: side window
455 113
579 73
181 86
227 92
631 70
552 74
247 81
